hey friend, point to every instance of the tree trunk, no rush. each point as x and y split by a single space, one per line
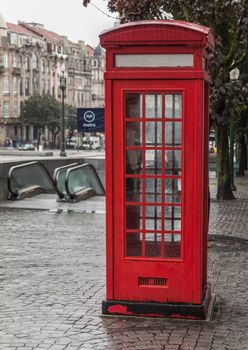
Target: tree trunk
243 156
223 170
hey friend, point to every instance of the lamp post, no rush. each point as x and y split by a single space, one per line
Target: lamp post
234 75
62 120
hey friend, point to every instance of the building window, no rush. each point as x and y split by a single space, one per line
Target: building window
15 109
26 86
13 39
14 61
5 84
6 109
43 86
21 106
21 87
53 88
27 65
15 85
34 61
48 87
35 84
43 66
48 67
6 60
19 61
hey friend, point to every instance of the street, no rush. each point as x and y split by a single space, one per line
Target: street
53 282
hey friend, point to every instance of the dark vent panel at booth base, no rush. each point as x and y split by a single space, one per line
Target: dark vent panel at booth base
152 281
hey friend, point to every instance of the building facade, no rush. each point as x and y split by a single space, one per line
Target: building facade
32 60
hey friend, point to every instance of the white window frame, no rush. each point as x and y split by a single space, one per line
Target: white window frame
16 112
35 62
15 85
6 60
5 85
14 60
6 109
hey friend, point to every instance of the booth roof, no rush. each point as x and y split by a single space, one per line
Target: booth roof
184 26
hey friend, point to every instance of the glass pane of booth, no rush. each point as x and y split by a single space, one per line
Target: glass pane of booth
172 191
153 146
133 161
153 135
153 218
173 162
172 245
172 218
134 189
178 106
133 105
153 161
173 106
168 106
134 134
134 244
133 217
153 244
153 106
153 193
173 134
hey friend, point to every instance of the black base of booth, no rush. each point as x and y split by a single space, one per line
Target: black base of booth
151 309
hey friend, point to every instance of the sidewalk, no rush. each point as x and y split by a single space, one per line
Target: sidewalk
52 282
12 155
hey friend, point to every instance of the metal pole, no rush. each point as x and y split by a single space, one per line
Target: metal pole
231 156
62 125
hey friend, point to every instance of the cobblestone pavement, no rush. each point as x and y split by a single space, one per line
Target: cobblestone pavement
230 218
52 282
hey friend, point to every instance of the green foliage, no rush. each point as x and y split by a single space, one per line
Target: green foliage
45 110
71 121
41 111
229 21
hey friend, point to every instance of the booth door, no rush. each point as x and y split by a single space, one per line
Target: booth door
153 161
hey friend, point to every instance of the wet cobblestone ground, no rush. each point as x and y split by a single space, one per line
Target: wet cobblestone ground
52 282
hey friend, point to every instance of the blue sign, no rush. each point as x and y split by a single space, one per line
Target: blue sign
90 119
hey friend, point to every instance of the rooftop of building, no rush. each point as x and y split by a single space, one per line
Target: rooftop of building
38 30
42 31
18 28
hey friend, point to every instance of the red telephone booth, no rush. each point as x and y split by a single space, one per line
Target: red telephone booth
157 92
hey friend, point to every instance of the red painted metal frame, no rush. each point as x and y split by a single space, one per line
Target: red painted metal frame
191 290
205 184
161 176
159 37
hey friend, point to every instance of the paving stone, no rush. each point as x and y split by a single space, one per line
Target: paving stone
52 282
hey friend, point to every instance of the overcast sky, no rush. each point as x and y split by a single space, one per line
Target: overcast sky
65 17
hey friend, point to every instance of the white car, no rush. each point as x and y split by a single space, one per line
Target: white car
27 147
